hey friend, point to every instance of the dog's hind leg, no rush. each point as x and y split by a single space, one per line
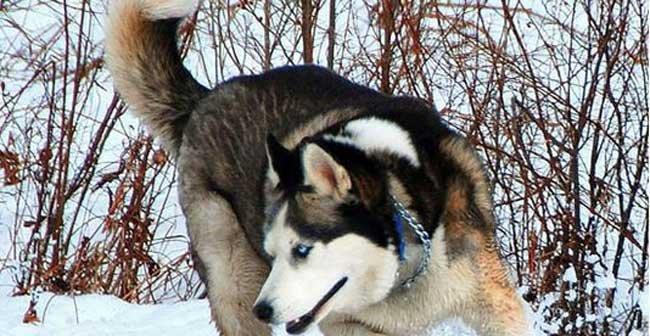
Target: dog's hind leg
233 272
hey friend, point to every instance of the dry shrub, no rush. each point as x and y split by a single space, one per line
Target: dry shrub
93 199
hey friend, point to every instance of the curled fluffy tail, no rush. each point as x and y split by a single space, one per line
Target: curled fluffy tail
142 56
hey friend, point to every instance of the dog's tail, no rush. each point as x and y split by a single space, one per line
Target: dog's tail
142 56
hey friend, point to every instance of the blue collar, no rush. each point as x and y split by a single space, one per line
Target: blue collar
399 229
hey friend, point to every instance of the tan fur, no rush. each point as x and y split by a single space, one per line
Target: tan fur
141 73
398 190
502 302
456 199
122 39
127 26
459 150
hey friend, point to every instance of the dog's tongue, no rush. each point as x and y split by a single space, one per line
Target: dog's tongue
299 325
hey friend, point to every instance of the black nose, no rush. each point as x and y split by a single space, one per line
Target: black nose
263 311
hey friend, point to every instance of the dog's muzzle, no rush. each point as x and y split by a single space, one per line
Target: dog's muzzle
300 324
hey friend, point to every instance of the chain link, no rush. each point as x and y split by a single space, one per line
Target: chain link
422 235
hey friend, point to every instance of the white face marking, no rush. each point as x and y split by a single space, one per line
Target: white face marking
377 134
295 286
270 240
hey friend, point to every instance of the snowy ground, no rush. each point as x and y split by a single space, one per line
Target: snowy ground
100 315
104 316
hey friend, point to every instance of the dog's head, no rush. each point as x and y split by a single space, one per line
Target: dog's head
328 233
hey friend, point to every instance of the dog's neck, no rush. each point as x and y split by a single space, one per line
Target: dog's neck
389 144
409 246
404 220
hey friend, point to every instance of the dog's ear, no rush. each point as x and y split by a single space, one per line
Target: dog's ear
325 174
279 160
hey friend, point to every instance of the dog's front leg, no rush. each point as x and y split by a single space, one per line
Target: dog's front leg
234 273
500 312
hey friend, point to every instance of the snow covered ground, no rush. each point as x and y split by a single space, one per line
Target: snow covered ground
103 316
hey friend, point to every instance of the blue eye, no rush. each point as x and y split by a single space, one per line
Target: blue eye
301 251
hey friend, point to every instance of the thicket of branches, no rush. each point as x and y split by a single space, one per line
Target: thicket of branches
553 94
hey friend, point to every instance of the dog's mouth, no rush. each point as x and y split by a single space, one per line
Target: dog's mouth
300 324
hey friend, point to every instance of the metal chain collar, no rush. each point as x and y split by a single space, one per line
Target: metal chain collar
422 235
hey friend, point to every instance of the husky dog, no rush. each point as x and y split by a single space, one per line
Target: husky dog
362 213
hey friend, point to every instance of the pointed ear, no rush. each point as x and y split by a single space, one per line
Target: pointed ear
277 157
322 172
